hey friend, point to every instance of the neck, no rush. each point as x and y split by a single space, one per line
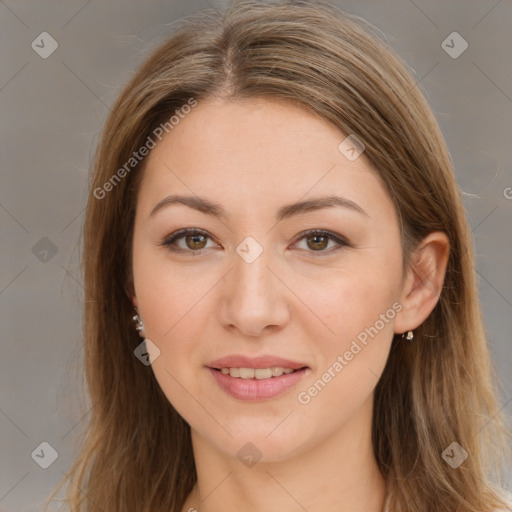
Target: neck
338 474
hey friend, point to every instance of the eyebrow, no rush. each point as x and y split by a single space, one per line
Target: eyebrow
284 212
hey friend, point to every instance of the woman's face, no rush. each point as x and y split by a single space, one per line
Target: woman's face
252 283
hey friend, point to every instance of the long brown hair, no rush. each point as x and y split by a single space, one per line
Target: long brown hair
136 452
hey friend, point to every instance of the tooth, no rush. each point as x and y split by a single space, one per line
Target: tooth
256 373
263 373
277 371
246 373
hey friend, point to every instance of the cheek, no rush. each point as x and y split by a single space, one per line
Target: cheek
360 312
357 309
348 301
174 311
168 295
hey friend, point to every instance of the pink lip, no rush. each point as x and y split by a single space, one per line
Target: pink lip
254 389
240 361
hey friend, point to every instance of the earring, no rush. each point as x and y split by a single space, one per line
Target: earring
409 336
139 325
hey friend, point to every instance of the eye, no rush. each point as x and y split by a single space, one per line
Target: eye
318 240
194 239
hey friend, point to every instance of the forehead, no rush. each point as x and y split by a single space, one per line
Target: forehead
249 151
258 129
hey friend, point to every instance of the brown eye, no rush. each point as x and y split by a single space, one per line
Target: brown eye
319 242
188 240
195 241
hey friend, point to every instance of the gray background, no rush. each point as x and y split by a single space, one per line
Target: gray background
52 111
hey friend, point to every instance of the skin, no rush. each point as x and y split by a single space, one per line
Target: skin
252 157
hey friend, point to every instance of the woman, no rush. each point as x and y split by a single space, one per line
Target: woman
274 198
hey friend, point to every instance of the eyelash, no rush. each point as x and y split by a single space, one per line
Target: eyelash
170 240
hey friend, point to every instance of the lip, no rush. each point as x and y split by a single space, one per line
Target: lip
254 389
265 361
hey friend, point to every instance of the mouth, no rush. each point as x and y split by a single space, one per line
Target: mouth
256 379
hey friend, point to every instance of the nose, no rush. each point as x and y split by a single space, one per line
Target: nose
253 298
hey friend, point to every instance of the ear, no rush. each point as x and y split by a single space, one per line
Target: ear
423 281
